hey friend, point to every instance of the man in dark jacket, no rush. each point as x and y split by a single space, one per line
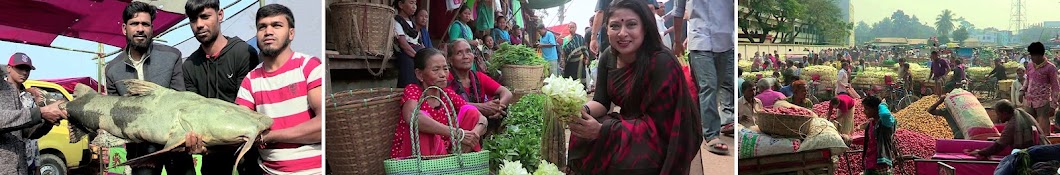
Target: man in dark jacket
144 60
20 120
215 70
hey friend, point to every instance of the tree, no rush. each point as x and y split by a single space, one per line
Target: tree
863 32
944 24
960 34
765 16
824 21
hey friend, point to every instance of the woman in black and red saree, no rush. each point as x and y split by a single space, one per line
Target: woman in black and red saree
657 129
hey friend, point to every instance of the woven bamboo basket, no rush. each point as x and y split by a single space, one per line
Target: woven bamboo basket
362 28
522 77
360 126
518 94
784 125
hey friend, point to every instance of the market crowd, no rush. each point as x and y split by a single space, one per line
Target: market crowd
635 45
1028 114
277 81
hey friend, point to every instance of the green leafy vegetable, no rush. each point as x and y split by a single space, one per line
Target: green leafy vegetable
515 55
521 138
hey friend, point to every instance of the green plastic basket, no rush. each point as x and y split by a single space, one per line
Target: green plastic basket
476 163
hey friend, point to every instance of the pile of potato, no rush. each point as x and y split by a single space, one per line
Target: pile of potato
916 118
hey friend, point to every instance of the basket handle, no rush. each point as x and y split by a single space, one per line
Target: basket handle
382 66
414 127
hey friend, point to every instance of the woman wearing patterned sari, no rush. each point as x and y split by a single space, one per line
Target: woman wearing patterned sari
657 130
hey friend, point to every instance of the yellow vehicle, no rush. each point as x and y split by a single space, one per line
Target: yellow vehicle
57 154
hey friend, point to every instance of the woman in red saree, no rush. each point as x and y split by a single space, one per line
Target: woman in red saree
657 130
432 70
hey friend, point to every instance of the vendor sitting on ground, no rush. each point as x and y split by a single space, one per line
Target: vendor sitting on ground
475 87
749 106
432 117
845 103
945 113
1020 132
767 95
800 95
880 150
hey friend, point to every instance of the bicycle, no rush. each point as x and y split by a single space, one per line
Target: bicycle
815 82
901 96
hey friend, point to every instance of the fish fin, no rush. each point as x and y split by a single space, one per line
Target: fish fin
243 149
82 89
105 139
76 132
150 159
140 87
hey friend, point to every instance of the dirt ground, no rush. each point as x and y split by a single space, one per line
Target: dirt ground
710 163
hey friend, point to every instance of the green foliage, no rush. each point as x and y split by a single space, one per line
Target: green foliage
521 139
786 19
960 35
944 23
515 55
898 25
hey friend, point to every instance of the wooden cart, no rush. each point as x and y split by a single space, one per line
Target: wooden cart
814 162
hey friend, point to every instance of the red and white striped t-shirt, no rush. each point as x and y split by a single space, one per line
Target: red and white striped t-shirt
283 95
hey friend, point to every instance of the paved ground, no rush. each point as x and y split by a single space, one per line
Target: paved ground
710 163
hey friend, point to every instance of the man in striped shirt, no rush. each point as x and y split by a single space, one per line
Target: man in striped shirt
286 87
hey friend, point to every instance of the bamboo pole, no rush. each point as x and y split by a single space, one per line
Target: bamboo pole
100 68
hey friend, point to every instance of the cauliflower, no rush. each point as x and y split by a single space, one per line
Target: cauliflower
512 168
566 97
546 168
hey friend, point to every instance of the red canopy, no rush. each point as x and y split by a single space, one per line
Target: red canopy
40 22
69 83
561 30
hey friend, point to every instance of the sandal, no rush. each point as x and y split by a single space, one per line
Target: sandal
728 130
719 149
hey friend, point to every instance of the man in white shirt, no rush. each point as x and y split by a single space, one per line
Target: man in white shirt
660 21
710 44
843 79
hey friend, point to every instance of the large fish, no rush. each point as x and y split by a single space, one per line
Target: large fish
156 114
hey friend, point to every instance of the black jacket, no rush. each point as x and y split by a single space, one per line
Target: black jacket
220 77
162 67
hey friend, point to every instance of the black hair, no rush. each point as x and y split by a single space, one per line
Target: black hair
420 61
652 43
1036 49
934 52
745 85
194 7
871 101
462 9
1004 106
397 6
137 7
273 10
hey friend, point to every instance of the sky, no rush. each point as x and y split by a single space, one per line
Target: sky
981 13
56 63
578 11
